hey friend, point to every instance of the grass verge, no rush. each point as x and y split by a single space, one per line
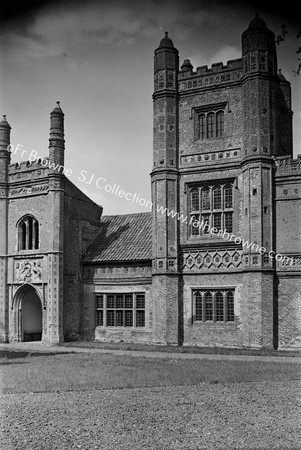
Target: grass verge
181 349
51 372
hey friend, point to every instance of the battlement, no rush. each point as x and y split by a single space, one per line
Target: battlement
205 77
286 165
28 165
187 70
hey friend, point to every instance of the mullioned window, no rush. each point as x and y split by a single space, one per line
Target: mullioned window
213 305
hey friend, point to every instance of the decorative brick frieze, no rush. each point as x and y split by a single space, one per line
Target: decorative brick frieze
289 263
202 261
213 158
286 165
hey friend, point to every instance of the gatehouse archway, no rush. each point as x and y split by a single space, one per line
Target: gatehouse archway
29 306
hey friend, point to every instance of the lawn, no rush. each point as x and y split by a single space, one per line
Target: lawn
49 372
107 402
181 349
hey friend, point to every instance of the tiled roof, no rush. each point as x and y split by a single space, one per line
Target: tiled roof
122 238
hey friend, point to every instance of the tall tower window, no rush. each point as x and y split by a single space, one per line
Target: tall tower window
28 234
210 125
211 206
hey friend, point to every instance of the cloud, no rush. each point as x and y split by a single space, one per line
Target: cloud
74 27
103 24
223 55
65 29
17 47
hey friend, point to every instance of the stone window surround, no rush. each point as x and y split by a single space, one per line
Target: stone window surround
130 313
211 130
222 212
28 233
212 313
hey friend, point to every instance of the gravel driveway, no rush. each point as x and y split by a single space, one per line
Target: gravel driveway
258 415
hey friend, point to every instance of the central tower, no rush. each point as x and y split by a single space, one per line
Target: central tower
165 195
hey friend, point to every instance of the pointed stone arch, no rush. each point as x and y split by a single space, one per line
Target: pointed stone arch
28 308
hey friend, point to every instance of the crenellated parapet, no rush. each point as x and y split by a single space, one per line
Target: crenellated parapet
28 177
286 166
204 76
187 68
28 166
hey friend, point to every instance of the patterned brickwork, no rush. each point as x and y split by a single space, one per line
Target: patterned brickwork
212 260
228 125
214 334
230 102
59 208
289 310
97 281
55 298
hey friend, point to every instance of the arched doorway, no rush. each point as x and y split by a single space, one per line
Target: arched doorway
30 314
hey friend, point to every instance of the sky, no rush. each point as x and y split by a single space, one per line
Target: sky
96 58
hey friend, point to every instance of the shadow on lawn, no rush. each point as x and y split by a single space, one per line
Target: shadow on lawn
181 349
5 355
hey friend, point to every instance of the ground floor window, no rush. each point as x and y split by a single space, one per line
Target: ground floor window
120 310
213 305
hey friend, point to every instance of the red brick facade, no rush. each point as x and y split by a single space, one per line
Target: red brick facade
49 269
222 155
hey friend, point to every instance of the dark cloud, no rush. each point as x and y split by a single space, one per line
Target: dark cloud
16 9
13 10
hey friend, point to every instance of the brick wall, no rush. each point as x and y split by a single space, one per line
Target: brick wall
253 309
213 334
288 213
116 279
81 222
231 97
289 311
166 298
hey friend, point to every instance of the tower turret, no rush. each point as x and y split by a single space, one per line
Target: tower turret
258 42
4 149
260 91
56 193
56 137
166 66
261 140
4 163
165 193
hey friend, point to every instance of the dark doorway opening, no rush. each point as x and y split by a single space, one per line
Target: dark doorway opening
31 315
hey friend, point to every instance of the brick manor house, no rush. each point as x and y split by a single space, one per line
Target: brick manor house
222 155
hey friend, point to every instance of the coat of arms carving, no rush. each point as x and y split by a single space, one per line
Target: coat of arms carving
28 272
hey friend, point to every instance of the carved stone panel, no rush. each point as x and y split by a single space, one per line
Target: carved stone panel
28 271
